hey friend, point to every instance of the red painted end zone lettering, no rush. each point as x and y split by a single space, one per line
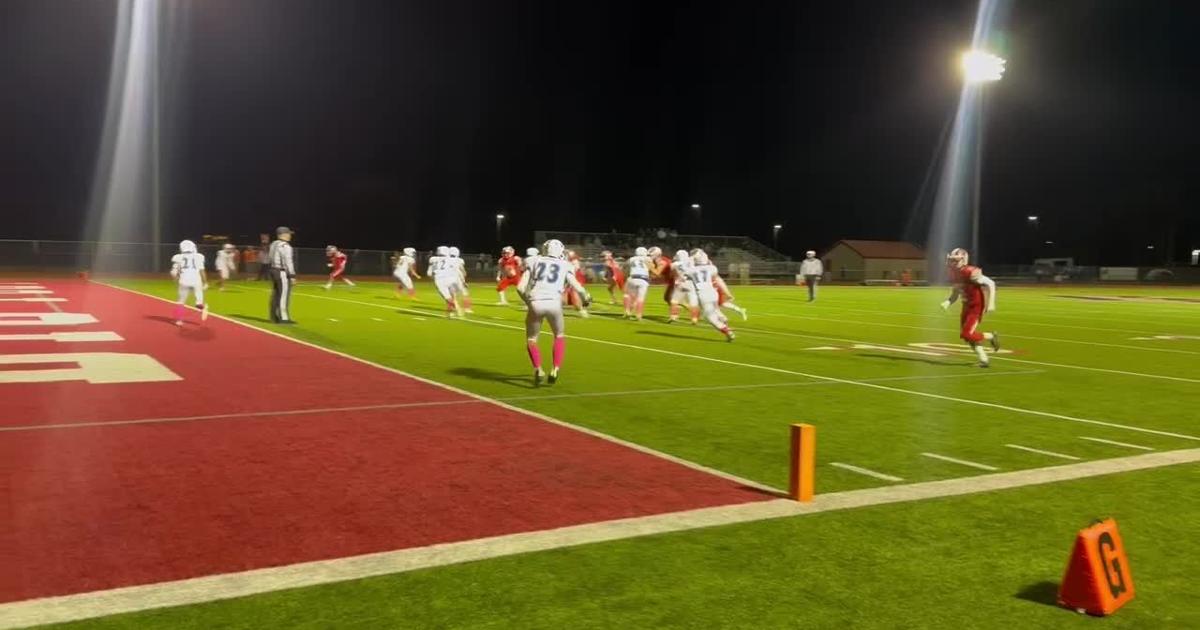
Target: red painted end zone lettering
99 507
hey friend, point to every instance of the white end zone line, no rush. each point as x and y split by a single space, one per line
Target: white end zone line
230 585
533 414
911 392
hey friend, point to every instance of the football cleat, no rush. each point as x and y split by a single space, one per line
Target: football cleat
204 313
553 376
538 375
995 342
730 336
985 364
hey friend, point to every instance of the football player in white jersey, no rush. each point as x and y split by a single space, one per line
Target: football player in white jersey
446 277
463 292
226 263
405 271
702 274
685 290
542 287
637 284
187 267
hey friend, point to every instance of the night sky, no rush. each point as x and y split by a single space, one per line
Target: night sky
390 123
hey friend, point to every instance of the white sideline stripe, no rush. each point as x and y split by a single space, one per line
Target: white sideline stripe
37 299
1040 451
967 401
533 414
1125 444
230 585
960 461
467 401
865 471
1006 335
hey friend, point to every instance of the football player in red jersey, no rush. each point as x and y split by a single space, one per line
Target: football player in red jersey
508 272
616 277
978 293
337 266
570 295
661 270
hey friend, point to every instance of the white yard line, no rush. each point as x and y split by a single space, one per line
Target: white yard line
1124 444
962 462
1041 452
533 414
967 401
226 586
865 471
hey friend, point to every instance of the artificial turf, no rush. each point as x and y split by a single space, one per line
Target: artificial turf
1089 363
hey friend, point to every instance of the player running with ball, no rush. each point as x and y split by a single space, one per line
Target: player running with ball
542 288
405 271
702 275
187 268
508 273
971 285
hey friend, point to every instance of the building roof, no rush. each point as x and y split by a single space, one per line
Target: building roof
897 250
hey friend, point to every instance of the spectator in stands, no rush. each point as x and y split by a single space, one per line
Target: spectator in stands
812 270
250 261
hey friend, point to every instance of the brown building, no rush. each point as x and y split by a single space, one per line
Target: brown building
859 261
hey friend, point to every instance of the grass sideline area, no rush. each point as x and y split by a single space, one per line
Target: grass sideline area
1093 373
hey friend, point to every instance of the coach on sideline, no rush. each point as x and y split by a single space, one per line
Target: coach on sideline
283 275
812 270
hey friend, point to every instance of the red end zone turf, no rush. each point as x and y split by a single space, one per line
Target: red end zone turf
109 505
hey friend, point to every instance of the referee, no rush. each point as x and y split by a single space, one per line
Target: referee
283 275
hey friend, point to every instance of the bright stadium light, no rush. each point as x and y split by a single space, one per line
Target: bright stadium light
1032 218
775 235
499 217
695 206
981 67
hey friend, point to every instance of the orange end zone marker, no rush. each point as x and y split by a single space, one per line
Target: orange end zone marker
803 465
1097 580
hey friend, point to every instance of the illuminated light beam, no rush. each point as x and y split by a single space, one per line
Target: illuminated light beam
955 221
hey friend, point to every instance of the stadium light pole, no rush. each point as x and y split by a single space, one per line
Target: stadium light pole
979 68
775 235
499 226
696 210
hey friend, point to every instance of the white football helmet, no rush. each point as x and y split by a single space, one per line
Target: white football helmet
187 247
682 256
329 249
553 248
655 252
408 251
229 247
532 251
810 254
699 257
442 250
453 252
641 251
958 258
508 250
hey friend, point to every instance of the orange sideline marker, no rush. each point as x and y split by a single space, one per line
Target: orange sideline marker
1098 580
803 465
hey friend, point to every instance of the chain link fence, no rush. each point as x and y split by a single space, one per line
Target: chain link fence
139 258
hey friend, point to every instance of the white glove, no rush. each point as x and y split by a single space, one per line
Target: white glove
945 304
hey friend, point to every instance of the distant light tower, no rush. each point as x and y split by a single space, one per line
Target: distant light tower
499 228
775 235
979 68
696 210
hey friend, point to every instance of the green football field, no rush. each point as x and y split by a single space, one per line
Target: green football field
1085 374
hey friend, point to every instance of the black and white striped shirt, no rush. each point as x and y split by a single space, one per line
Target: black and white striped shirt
280 257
